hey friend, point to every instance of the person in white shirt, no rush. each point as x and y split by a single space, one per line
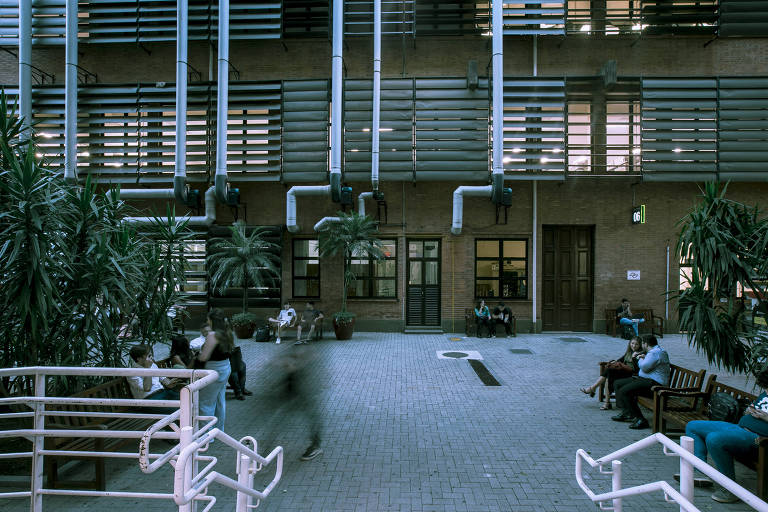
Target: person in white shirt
286 318
151 388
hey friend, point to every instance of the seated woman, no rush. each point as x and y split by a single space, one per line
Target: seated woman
624 314
181 354
611 371
483 317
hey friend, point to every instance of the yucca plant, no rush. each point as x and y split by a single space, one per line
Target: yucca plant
243 261
726 243
353 235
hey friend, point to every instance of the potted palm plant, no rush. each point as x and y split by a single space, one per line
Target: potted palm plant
352 235
245 260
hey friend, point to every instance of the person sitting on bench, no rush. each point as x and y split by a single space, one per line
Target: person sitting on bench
624 314
502 315
150 388
482 317
309 318
285 319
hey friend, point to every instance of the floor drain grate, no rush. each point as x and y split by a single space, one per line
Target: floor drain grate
482 372
520 351
573 340
455 355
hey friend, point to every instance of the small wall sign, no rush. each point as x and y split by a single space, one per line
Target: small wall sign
638 214
633 275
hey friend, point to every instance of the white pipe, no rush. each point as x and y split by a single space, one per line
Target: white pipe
337 65
182 33
146 193
25 63
199 220
666 297
376 94
70 93
535 244
498 94
458 203
222 103
361 202
290 202
326 220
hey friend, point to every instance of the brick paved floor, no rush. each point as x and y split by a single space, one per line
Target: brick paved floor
407 431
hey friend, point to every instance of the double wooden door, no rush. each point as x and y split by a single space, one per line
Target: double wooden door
422 306
567 278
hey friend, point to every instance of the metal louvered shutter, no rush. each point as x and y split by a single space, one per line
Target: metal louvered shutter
396 17
305 130
534 126
743 18
306 18
679 128
534 17
450 18
431 305
678 17
743 128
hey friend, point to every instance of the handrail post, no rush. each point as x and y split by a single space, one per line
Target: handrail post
616 483
185 439
245 478
38 462
686 470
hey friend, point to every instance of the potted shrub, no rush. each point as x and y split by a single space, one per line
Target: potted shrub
243 261
352 235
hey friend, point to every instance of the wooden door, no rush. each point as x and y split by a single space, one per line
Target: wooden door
567 278
423 291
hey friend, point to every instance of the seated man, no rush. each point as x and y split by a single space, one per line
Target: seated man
285 319
722 440
502 315
654 371
309 318
150 388
197 343
624 315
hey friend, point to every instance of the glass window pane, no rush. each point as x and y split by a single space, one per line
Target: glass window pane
431 274
514 267
514 287
414 273
300 288
313 288
313 248
360 267
389 248
430 249
300 248
487 248
487 268
384 288
416 249
487 288
358 288
385 268
306 268
514 249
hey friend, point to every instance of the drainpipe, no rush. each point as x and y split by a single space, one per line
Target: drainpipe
290 202
25 70
325 220
70 93
497 177
201 220
376 95
180 188
458 203
224 193
361 202
337 65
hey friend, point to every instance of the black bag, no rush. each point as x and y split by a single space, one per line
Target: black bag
723 407
261 333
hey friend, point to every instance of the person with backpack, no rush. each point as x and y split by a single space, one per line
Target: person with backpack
723 440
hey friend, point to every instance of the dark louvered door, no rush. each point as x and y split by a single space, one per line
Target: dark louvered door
423 292
567 278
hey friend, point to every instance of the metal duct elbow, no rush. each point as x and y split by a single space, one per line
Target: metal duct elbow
201 220
325 220
458 203
497 187
361 202
290 202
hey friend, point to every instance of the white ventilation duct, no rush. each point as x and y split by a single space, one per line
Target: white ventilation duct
223 192
199 220
181 190
376 95
458 203
25 66
497 177
290 202
325 220
147 193
70 92
361 202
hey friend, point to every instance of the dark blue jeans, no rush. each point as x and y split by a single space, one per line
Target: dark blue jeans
721 440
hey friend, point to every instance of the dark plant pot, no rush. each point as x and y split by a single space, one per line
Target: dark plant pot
245 331
344 330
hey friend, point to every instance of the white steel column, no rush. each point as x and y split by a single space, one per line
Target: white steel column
376 94
70 93
337 67
535 244
25 62
498 92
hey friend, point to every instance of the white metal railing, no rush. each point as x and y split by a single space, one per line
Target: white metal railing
683 497
190 486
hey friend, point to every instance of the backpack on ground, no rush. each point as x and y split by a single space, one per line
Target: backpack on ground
724 407
261 333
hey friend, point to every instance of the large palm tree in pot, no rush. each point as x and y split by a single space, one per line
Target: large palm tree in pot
244 261
354 236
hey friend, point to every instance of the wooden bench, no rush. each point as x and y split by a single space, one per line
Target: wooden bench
115 388
653 324
470 325
319 329
680 379
678 407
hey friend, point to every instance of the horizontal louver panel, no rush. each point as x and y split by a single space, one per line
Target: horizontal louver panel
450 18
743 18
743 127
305 130
679 126
414 314
679 17
539 17
431 305
396 17
448 113
306 18
534 125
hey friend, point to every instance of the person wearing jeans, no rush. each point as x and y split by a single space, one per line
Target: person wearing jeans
723 440
624 313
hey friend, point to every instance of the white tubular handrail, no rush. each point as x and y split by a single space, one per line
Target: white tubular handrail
185 489
688 461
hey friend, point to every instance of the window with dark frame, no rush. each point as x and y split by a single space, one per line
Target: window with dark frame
375 279
501 268
306 269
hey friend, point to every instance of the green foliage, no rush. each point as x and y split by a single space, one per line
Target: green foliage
243 261
244 319
353 235
725 242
